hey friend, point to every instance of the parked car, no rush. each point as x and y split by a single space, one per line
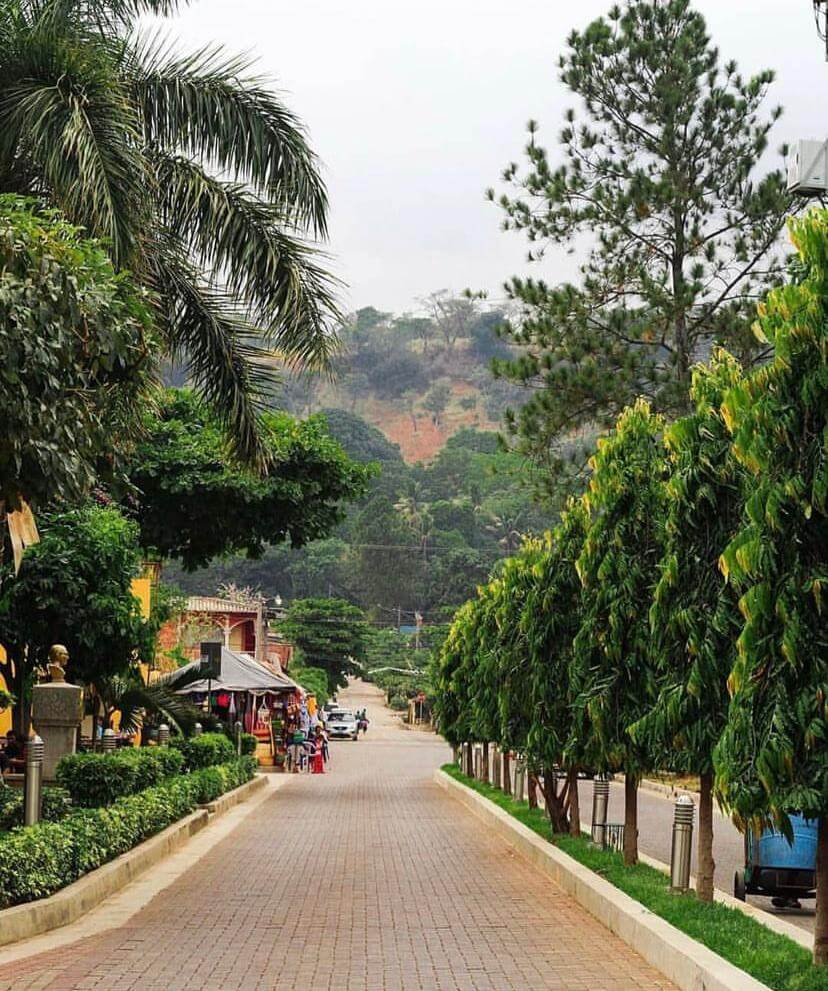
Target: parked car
343 723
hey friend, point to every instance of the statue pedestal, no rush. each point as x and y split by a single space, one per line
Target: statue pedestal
57 712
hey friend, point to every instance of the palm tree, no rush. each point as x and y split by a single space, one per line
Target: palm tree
129 695
195 174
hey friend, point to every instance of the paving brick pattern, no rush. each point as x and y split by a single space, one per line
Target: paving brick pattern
367 879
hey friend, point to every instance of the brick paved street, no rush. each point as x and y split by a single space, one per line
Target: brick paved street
367 879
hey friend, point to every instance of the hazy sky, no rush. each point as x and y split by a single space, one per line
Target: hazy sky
415 108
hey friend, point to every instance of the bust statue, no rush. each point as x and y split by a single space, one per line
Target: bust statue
58 656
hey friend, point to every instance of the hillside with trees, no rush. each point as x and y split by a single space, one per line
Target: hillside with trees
418 378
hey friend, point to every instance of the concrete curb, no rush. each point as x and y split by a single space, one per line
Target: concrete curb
76 899
688 964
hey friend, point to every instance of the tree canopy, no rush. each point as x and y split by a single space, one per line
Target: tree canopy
330 634
75 355
194 501
773 759
659 172
195 174
75 588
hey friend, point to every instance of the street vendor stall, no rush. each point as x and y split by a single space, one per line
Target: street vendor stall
236 686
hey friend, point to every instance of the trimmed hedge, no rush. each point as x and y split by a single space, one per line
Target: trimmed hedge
97 779
36 861
55 806
206 750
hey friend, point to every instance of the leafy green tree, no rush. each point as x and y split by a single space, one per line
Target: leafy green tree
194 501
772 760
694 617
450 671
193 172
330 633
613 666
74 355
314 680
384 558
74 588
659 169
550 620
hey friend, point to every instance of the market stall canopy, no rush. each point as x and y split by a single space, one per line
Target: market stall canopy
239 673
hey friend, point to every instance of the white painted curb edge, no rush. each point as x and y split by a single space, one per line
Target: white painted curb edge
687 963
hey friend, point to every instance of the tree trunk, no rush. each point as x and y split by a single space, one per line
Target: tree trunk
630 820
574 803
507 779
532 790
821 920
555 808
485 762
706 864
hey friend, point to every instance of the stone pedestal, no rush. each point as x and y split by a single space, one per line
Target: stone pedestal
57 711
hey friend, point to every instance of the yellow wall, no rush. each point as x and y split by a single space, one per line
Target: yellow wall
142 590
5 717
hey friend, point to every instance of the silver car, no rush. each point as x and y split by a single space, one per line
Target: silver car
343 723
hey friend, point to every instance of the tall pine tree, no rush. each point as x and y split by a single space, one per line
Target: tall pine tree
658 180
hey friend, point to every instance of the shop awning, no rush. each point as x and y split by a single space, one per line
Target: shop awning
239 673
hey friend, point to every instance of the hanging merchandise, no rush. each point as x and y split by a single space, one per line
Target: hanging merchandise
232 708
222 700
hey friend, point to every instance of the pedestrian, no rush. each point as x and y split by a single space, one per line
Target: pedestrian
363 722
319 752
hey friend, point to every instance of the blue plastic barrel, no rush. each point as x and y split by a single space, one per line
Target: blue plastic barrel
773 849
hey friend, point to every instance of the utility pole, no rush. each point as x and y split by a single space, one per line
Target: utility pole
399 619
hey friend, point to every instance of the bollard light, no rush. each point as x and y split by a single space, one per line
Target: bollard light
238 728
197 729
163 735
600 801
108 741
682 843
33 781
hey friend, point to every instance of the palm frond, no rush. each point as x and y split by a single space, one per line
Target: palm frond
134 700
210 106
68 115
222 350
265 267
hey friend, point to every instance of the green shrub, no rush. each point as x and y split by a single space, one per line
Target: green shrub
93 780
249 743
36 861
206 750
56 806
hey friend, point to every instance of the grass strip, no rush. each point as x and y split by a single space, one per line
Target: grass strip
771 958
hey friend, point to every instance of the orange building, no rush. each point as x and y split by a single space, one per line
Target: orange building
238 624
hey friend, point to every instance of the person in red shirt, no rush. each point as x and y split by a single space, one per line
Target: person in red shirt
319 753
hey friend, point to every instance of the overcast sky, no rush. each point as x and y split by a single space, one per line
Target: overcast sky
414 108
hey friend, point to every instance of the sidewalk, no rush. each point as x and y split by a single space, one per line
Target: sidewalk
369 878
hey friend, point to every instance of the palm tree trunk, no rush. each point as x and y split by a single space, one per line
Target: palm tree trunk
821 920
574 803
707 865
484 763
630 819
507 780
